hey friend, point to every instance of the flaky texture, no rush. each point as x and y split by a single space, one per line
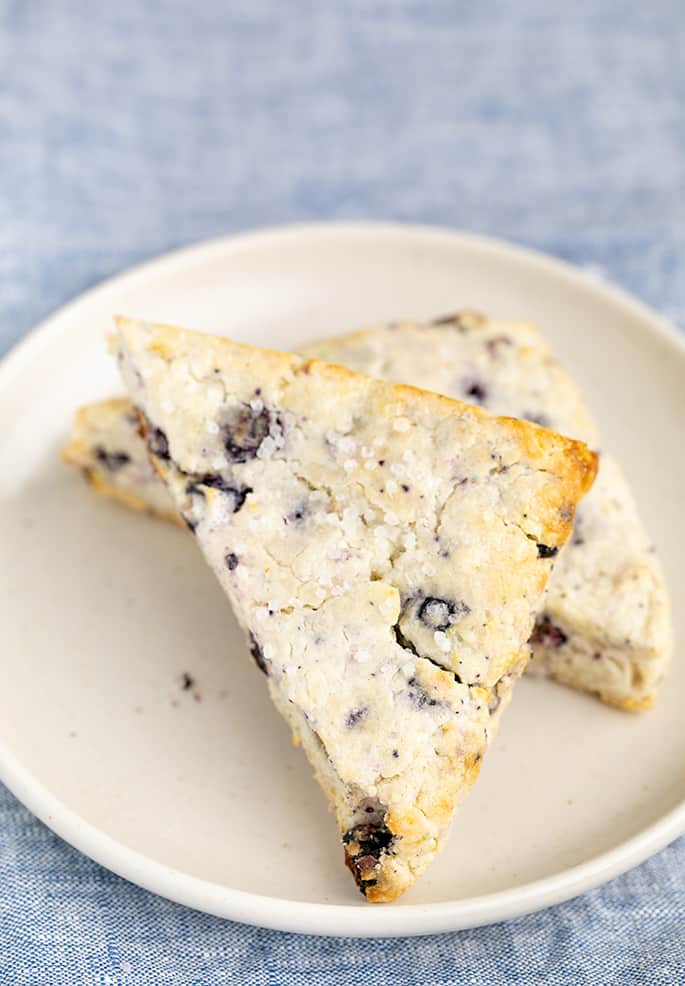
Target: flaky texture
386 551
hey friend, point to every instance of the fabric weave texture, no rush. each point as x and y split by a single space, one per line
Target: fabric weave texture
128 129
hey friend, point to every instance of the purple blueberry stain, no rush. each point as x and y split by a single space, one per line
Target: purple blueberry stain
418 695
258 655
297 515
356 716
236 493
548 634
246 429
158 444
111 461
547 551
476 391
440 614
365 844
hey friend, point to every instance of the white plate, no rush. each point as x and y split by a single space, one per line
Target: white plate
206 801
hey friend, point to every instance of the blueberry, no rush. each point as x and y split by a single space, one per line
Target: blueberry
231 561
548 634
368 840
439 614
210 479
245 431
297 515
239 495
356 716
111 460
258 654
545 551
419 696
477 391
214 481
158 444
364 845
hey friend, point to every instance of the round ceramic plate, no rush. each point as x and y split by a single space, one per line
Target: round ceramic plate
199 795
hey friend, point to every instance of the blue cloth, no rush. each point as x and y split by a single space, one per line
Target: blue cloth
129 128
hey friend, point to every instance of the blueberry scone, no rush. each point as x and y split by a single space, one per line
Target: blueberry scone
106 446
605 627
385 550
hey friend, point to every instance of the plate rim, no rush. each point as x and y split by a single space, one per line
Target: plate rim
281 913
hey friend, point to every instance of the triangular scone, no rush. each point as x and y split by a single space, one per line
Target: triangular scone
606 623
386 551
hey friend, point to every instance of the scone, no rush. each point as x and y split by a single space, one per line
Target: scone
605 627
386 551
106 446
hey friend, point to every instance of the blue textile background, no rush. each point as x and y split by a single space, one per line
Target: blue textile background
130 128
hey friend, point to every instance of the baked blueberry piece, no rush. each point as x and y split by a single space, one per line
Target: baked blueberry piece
379 545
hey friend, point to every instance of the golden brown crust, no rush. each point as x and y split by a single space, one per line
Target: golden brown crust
627 704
